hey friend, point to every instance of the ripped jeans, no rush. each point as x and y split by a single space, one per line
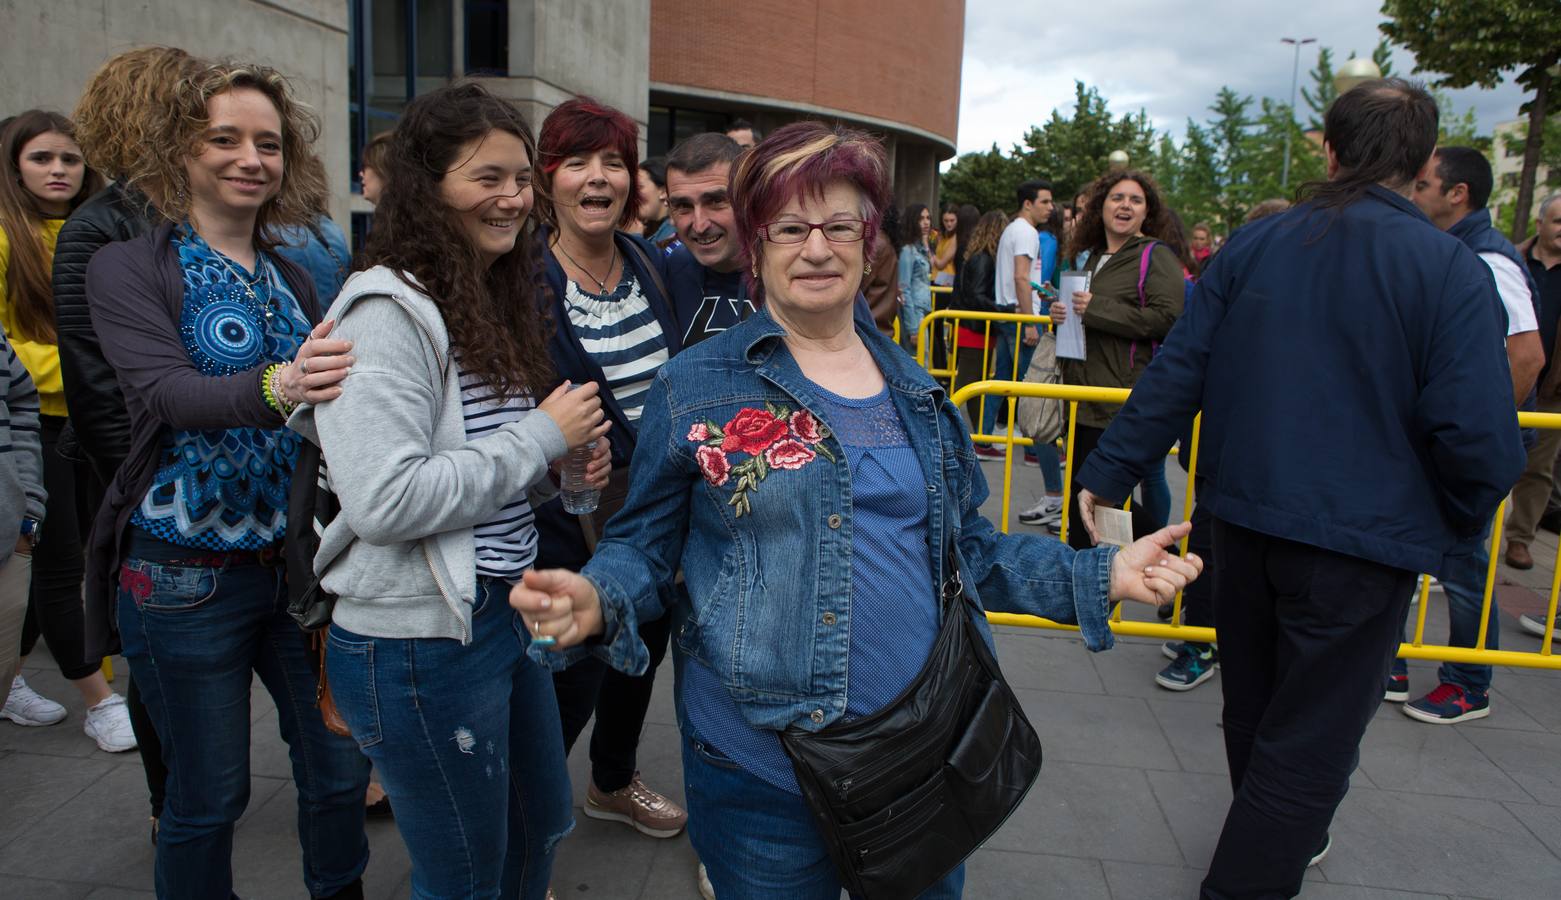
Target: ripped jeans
448 728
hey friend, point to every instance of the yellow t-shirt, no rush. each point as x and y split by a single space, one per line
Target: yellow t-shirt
42 360
943 242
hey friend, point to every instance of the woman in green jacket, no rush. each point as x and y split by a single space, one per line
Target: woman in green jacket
1134 296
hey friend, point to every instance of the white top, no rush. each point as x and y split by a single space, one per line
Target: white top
1019 239
506 545
1515 296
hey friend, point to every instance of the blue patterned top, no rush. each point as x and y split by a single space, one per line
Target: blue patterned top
226 489
894 612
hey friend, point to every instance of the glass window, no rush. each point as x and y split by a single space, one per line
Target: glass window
487 37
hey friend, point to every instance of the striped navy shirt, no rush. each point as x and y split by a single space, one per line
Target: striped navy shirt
506 543
621 333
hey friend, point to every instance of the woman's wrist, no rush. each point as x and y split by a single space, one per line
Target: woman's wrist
271 389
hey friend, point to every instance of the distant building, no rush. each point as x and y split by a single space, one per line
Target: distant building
675 66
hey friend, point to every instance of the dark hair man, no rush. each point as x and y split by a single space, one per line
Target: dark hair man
704 273
743 132
1452 192
1342 451
1541 255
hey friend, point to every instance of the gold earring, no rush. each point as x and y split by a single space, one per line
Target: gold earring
867 269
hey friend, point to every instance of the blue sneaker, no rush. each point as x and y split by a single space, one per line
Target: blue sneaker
1396 688
1194 666
1448 705
1172 649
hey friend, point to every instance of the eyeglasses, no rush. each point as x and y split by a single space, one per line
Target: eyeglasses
838 231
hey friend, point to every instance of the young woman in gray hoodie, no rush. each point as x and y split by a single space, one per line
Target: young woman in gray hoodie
436 450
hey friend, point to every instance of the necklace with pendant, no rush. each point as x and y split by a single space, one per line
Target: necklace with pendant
601 283
249 286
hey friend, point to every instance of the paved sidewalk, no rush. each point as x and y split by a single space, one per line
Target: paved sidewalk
1129 804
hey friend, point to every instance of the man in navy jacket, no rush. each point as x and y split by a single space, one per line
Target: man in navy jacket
705 270
1347 356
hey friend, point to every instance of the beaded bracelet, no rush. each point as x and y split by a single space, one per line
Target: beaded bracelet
271 389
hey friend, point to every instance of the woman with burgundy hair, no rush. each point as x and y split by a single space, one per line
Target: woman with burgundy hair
810 481
612 324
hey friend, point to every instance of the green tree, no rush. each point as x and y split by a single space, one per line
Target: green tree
1198 186
1320 97
985 180
1229 133
1485 43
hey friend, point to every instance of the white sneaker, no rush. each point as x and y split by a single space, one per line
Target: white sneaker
108 723
1047 512
706 889
25 707
1534 625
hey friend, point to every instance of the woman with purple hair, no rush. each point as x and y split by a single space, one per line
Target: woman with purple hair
813 485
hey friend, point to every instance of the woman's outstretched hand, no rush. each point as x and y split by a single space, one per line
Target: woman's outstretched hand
1149 571
557 604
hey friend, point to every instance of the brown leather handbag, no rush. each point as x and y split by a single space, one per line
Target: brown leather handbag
322 694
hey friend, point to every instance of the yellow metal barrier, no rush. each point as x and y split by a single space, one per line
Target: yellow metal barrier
1416 648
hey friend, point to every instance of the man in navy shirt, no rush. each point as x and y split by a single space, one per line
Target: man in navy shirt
704 273
1357 429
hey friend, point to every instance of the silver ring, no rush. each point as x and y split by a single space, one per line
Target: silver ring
304 366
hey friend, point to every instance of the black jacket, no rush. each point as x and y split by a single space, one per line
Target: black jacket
977 290
97 408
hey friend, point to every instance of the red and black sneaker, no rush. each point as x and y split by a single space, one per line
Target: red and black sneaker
1448 705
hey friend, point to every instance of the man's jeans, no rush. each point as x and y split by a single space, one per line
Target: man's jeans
1463 582
467 744
195 637
757 841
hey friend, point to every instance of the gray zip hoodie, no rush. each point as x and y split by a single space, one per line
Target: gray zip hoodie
400 556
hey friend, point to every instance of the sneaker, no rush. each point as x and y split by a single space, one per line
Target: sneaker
706 889
108 723
1192 667
638 806
986 451
1449 704
1033 461
1045 513
1172 649
1534 625
1164 612
1395 688
25 707
1322 852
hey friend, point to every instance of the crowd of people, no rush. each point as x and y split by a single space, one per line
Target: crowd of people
219 418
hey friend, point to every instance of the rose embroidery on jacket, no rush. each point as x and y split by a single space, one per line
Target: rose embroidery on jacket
771 438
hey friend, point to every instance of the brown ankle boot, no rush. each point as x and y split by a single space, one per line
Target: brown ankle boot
1518 556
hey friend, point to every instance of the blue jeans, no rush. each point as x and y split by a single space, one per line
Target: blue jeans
1003 370
194 637
757 841
466 741
1463 582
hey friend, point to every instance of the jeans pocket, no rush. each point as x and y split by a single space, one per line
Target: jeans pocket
170 589
710 756
350 673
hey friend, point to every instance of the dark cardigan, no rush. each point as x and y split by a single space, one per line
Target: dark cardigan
135 292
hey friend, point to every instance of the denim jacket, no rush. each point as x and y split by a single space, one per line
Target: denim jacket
740 484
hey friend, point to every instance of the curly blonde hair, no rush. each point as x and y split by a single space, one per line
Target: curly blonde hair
123 103
176 137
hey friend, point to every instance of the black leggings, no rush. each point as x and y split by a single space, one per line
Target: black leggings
54 603
620 702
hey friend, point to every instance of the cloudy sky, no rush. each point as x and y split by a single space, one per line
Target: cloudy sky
1168 57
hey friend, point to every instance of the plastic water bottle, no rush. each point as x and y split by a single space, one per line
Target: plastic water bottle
578 496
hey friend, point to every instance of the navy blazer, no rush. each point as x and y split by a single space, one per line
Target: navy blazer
560 542
1355 393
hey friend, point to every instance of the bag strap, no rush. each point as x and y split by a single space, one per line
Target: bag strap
650 269
1143 275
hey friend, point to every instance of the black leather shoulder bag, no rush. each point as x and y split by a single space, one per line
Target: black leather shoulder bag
904 795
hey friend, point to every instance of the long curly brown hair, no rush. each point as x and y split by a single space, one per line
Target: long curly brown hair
492 312
26 282
1089 228
124 103
175 137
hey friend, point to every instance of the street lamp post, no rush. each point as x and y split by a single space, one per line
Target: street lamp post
1295 74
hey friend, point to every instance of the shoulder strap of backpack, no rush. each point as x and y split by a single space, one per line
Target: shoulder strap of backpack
1143 271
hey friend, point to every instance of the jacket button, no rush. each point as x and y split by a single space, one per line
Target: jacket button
829 618
817 716
834 520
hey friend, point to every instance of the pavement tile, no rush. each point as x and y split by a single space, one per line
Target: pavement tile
117 893
1195 806
1532 691
1109 731
673 874
97 835
1413 842
997 873
1089 811
36 889
1045 661
1193 730
35 785
1136 881
1405 755
1532 760
1544 822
